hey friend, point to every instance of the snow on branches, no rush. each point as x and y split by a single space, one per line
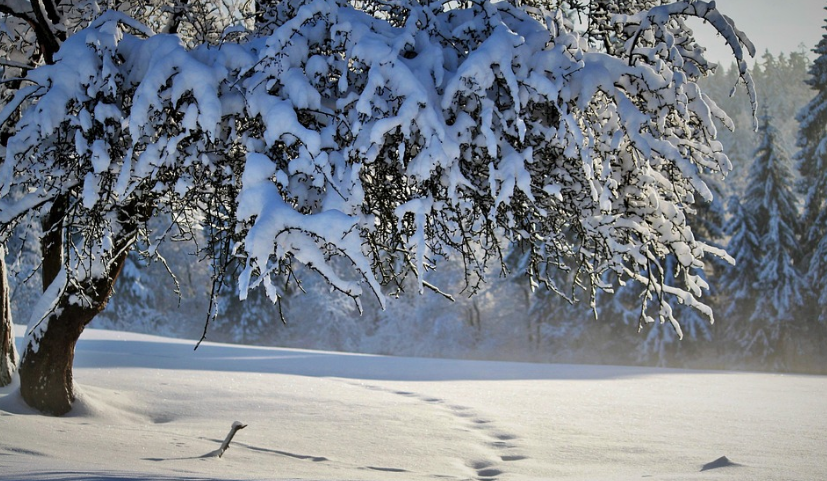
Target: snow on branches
387 136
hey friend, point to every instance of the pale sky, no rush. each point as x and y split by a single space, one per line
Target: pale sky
774 25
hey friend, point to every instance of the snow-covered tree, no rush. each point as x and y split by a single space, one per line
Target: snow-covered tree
812 142
781 90
378 139
737 281
767 288
817 269
31 35
134 301
771 198
812 165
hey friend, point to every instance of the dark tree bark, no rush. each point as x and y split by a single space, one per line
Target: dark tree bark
8 353
46 379
51 244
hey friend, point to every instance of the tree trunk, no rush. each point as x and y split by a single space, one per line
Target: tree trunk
8 353
51 244
46 381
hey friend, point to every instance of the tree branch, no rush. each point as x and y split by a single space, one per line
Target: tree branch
46 38
237 426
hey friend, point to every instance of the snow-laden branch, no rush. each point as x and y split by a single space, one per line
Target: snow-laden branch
658 18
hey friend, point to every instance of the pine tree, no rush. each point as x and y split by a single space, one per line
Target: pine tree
134 306
812 156
772 281
737 300
781 89
812 165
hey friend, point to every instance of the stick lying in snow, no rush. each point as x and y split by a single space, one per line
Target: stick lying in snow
226 444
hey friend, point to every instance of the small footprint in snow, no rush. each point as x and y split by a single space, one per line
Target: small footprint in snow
512 458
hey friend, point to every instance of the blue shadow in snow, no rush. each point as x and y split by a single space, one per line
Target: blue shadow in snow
230 358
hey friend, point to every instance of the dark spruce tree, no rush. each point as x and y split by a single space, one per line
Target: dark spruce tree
812 166
737 301
812 154
134 303
767 290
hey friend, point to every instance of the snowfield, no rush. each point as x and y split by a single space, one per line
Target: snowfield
151 408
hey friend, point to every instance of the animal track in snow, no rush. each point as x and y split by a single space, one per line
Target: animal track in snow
489 473
509 458
491 437
502 445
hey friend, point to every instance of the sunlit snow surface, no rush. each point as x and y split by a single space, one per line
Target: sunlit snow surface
151 408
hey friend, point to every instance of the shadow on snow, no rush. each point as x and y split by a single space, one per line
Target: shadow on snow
157 353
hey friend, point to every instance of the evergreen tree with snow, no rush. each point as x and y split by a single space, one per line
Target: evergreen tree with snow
782 90
812 154
134 303
812 166
768 289
816 278
737 299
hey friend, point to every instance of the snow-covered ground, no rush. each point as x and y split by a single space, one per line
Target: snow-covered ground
153 409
